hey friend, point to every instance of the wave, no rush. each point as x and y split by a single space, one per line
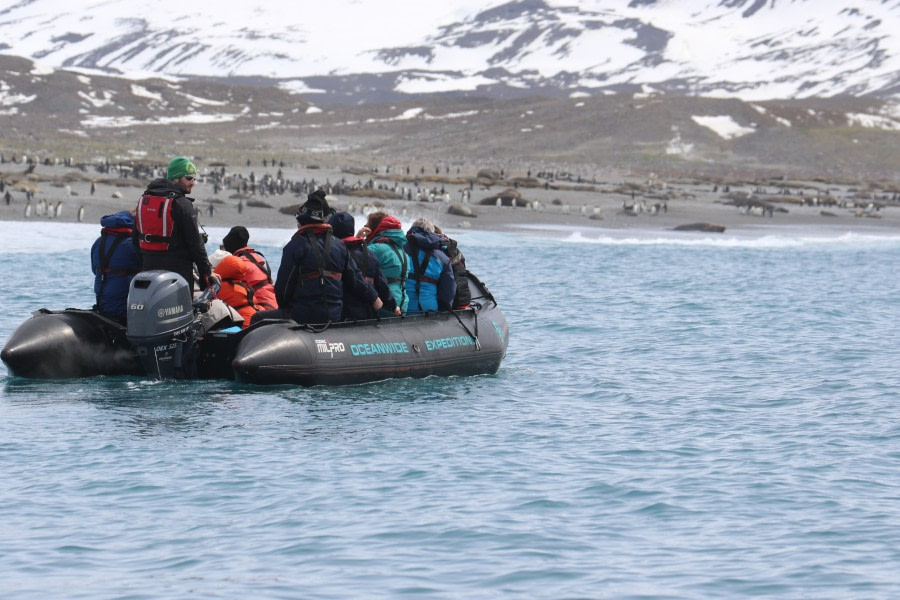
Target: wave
25 237
52 238
793 239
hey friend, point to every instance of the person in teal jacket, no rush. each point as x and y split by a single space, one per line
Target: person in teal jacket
430 283
386 241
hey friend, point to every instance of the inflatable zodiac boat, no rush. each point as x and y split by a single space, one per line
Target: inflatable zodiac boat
171 336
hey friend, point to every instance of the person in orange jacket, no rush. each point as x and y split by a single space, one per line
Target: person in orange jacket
259 274
234 290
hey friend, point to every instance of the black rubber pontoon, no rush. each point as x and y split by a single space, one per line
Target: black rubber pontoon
69 343
81 343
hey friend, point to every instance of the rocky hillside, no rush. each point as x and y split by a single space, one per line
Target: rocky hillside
66 113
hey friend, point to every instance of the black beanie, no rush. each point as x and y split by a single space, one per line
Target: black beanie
315 208
236 239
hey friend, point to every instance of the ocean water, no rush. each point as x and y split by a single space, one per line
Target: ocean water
678 416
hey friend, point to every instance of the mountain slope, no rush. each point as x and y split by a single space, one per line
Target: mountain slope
357 50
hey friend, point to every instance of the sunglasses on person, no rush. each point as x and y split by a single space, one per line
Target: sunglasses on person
190 177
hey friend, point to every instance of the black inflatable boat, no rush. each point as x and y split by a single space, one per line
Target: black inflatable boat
169 335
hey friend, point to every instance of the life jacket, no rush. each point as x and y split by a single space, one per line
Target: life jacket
235 291
314 278
154 222
105 254
120 234
363 259
239 295
321 254
418 272
246 294
425 283
258 277
263 266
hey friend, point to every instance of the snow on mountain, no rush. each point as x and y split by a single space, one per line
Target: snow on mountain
751 49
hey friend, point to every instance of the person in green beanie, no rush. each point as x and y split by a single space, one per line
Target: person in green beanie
179 168
167 228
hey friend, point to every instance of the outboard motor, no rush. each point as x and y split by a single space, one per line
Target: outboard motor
162 324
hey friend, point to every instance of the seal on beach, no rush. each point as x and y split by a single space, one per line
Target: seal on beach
706 227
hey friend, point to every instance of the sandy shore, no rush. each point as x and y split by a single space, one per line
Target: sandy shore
558 206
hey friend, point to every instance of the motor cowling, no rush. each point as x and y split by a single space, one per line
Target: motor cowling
162 325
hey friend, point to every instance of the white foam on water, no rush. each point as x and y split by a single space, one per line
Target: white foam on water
781 239
36 237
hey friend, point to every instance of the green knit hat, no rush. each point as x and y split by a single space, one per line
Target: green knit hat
179 167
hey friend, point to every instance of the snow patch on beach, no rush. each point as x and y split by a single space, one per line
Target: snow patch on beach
75 132
723 125
457 115
410 113
7 99
430 83
204 101
761 110
41 69
872 121
97 99
677 146
113 122
413 113
269 125
298 86
143 92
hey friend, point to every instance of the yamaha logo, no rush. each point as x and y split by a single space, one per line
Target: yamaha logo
172 310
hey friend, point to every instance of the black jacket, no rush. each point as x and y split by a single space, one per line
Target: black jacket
355 307
308 296
186 247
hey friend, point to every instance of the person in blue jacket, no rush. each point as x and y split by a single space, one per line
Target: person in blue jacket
316 269
430 283
115 261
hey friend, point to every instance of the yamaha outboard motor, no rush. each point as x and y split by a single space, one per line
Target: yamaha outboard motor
162 325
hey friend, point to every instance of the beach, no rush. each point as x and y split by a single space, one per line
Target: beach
617 202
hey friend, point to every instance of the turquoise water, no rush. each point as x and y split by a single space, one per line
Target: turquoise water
677 417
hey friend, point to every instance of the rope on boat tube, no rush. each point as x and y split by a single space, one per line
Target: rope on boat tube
471 335
310 328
